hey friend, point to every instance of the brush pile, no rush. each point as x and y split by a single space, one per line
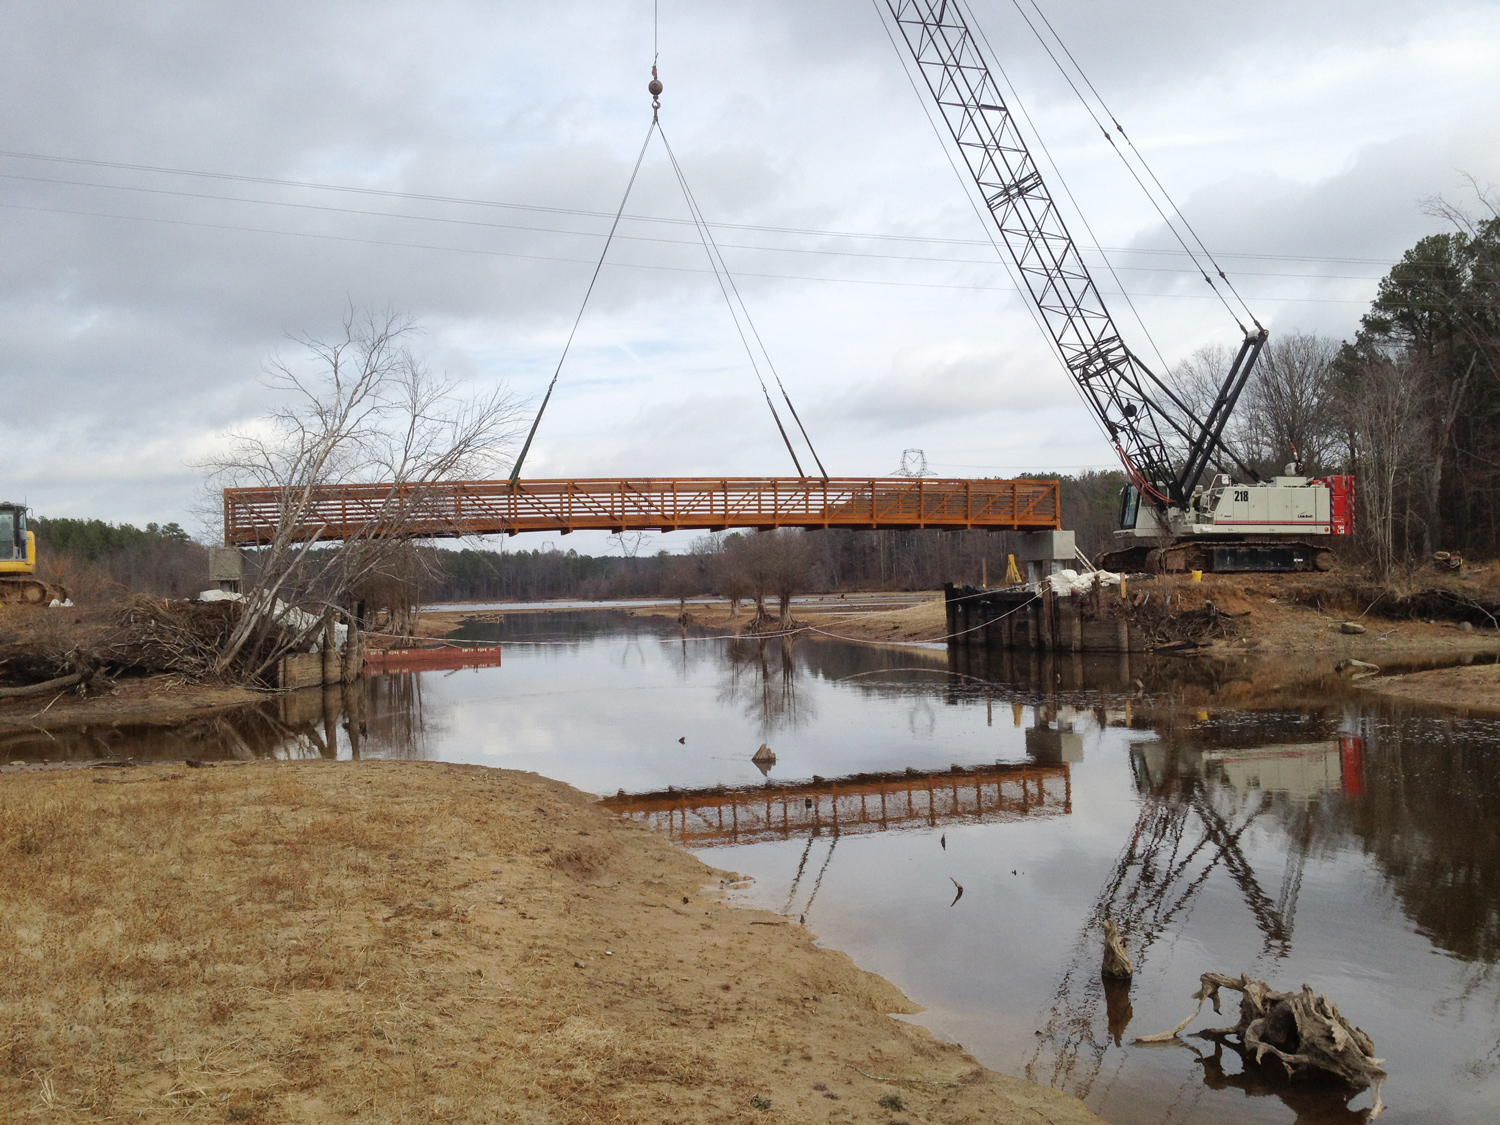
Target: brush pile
154 635
140 635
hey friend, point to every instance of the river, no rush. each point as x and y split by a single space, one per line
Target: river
1232 817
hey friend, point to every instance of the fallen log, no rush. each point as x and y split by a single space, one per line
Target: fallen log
1303 1031
62 683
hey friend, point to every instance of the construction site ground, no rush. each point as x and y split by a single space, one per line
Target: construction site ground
398 940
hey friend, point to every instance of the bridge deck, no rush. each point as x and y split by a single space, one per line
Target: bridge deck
251 515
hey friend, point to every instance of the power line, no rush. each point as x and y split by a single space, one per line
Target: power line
475 251
587 213
528 228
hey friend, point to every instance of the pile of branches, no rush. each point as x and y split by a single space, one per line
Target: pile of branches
156 635
1178 627
1302 1031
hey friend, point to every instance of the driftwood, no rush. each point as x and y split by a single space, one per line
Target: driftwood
1303 1031
1117 964
62 683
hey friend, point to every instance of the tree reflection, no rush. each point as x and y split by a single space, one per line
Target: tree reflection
760 676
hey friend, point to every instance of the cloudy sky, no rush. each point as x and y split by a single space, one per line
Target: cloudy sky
184 185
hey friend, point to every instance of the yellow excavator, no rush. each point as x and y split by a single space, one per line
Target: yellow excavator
18 582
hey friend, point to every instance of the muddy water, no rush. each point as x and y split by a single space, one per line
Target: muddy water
1230 817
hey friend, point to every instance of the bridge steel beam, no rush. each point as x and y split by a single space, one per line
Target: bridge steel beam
462 508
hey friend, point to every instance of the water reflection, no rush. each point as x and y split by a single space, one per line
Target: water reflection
761 678
877 802
1229 815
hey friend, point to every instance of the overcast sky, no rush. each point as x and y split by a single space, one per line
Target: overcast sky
151 268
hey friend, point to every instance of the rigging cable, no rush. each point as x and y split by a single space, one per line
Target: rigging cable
716 257
986 225
1036 133
515 472
1129 167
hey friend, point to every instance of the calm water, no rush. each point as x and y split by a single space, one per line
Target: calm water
1231 817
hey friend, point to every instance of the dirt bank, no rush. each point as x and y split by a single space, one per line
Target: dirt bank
830 616
418 941
1471 688
158 700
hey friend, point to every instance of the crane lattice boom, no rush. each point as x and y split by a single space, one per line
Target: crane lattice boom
1114 380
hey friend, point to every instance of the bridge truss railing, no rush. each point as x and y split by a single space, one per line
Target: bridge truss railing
451 510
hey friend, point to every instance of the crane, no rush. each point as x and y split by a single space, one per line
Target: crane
1169 518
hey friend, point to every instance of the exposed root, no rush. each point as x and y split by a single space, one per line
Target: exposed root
1303 1031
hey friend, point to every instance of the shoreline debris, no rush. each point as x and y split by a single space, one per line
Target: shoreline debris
1304 1031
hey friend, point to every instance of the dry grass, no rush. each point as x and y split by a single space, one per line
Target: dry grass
321 941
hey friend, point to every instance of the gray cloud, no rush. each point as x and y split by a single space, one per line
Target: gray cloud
137 307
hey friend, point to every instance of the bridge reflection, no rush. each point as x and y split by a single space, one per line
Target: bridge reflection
859 803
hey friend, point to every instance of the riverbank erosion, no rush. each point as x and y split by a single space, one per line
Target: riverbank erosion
421 941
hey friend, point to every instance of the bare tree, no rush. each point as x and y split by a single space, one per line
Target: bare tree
360 407
1389 440
1288 411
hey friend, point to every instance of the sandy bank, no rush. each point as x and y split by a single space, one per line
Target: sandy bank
1470 687
924 621
417 941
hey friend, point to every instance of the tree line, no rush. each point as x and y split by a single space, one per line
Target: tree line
1408 406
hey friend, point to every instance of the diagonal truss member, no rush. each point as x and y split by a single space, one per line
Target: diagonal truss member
1116 383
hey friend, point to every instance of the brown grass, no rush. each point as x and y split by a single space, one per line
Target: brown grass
322 941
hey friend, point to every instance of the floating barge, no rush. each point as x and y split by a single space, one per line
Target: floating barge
380 661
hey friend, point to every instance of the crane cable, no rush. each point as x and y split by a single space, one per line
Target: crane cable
728 286
721 274
1129 167
515 473
717 263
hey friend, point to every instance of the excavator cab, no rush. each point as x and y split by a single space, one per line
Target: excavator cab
16 543
18 562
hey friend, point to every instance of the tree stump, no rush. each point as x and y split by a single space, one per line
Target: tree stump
1303 1031
1117 964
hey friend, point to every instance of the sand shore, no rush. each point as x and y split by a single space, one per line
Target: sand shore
417 941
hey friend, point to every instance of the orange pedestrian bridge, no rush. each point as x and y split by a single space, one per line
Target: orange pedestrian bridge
258 516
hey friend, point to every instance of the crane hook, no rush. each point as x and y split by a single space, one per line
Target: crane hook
655 87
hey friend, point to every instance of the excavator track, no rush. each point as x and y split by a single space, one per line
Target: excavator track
30 591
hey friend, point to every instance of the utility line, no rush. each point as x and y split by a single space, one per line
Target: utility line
515 472
585 213
528 228
470 250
